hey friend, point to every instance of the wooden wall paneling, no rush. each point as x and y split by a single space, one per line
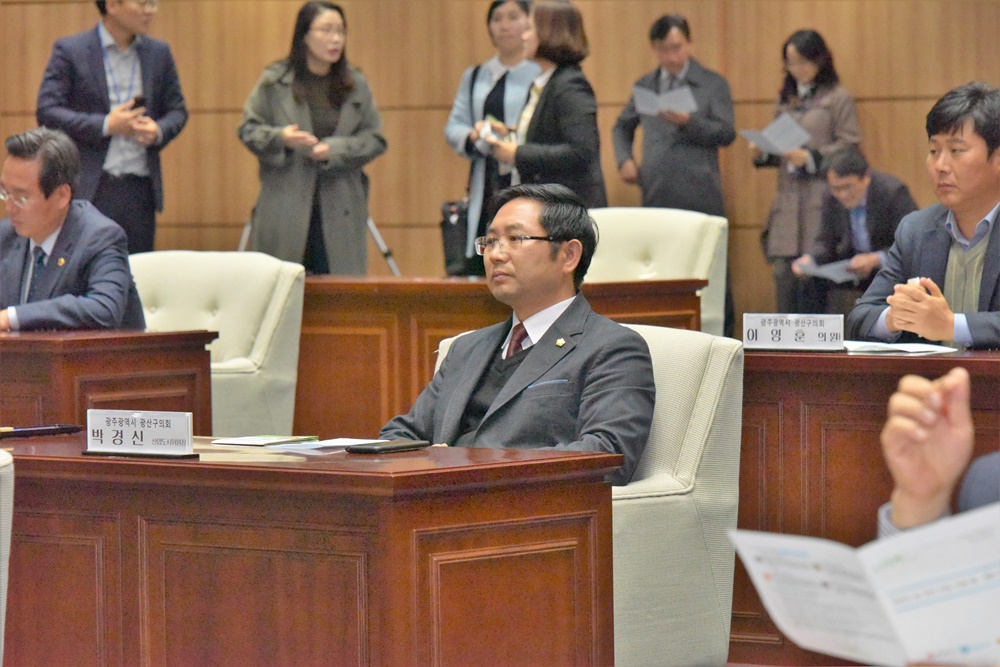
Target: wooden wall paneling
222 46
27 31
895 139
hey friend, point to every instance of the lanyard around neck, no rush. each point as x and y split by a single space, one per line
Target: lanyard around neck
114 80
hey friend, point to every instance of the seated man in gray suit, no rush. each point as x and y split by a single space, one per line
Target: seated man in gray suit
63 265
927 442
556 374
941 278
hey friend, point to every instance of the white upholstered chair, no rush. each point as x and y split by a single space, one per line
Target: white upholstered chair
673 564
6 514
254 301
663 244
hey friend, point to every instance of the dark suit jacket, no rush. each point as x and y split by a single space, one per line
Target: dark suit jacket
562 144
73 98
680 165
921 249
86 283
889 200
594 392
981 485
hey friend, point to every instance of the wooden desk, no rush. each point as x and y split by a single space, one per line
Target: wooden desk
368 345
811 462
55 377
445 556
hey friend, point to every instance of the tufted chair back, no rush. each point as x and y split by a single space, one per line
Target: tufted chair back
254 301
664 244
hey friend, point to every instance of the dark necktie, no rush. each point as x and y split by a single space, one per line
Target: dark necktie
36 273
517 337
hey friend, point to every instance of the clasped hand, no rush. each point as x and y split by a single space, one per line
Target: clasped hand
294 138
920 308
128 120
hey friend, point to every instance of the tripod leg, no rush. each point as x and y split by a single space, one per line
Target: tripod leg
383 248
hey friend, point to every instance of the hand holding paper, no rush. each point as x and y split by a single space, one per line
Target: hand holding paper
781 136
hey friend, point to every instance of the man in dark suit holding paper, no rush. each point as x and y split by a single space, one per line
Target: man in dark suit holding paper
63 265
680 150
556 375
941 278
861 211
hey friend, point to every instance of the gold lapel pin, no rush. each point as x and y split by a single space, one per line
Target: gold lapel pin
62 261
560 342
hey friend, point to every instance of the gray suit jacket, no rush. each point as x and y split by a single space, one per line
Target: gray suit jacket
921 249
86 283
74 98
680 165
981 485
594 392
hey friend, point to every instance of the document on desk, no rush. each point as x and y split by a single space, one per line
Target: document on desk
649 103
874 347
835 271
782 135
929 595
262 440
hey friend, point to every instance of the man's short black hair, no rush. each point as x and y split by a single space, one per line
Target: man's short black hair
977 101
846 162
564 217
60 159
663 25
102 6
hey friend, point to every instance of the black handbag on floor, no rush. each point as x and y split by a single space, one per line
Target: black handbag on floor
455 219
454 235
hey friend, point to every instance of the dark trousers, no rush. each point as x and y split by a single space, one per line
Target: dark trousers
315 259
131 202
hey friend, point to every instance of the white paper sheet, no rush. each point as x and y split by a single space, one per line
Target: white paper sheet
649 103
835 271
782 135
929 595
874 347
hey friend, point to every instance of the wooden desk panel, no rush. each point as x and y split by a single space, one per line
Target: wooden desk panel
55 377
811 461
442 556
368 345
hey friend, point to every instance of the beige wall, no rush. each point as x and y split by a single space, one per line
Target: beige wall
896 56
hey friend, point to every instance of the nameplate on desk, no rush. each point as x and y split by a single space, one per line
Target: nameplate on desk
793 332
131 433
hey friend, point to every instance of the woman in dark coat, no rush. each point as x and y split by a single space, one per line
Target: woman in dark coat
557 136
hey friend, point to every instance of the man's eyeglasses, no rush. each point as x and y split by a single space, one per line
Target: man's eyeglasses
18 200
484 243
148 5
